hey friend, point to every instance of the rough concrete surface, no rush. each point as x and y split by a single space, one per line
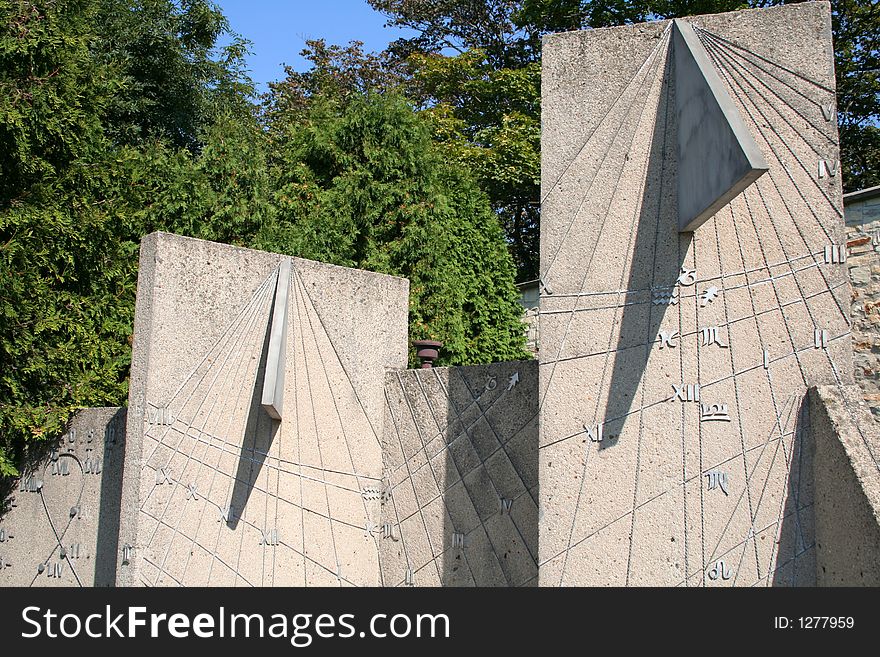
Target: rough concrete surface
61 526
461 462
220 493
717 155
847 482
623 329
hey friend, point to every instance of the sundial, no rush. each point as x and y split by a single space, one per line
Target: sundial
61 524
694 287
260 443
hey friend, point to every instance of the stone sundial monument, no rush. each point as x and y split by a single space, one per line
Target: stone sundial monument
689 421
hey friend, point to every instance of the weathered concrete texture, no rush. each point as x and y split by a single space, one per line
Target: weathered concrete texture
220 493
847 482
61 526
631 468
461 460
863 244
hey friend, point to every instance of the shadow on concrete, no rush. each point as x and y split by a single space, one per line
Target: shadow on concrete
657 259
796 534
110 505
259 433
492 456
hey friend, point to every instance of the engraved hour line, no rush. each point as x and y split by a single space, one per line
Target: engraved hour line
245 314
703 386
299 438
844 313
744 70
258 489
238 326
670 489
633 223
460 414
699 280
461 475
746 488
828 109
629 85
698 303
251 324
665 293
416 424
302 295
230 567
501 443
219 445
733 74
774 288
246 330
501 446
766 353
393 502
300 310
602 223
732 81
787 460
342 424
742 542
779 566
719 412
669 338
419 509
306 297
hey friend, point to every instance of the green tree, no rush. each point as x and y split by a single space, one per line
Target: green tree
360 184
162 56
856 25
88 133
462 25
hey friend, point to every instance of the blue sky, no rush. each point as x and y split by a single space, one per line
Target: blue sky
278 30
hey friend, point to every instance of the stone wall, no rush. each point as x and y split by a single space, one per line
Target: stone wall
863 242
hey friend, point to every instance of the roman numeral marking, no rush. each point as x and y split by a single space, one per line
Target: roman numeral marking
835 254
686 392
828 168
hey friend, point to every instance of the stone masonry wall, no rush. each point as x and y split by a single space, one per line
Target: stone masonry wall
863 243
